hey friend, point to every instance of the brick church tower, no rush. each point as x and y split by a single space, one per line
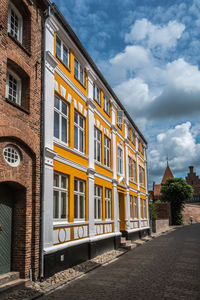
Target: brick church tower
193 180
20 134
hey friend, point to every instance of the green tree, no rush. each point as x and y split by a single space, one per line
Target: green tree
176 191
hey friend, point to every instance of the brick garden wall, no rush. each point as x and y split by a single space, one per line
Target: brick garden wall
191 210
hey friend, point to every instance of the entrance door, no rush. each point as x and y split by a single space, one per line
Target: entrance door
5 228
122 212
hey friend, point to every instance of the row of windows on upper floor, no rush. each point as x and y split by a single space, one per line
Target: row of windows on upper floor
101 143
61 199
63 53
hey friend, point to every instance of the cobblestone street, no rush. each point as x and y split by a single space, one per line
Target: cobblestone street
168 268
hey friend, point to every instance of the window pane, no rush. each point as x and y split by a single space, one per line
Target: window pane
81 75
64 130
76 68
98 152
56 180
76 117
56 124
65 56
56 102
63 205
63 182
81 186
81 122
64 108
75 206
109 210
55 204
81 140
81 207
75 137
99 209
95 208
58 47
76 185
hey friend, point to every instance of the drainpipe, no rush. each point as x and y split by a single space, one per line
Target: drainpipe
47 14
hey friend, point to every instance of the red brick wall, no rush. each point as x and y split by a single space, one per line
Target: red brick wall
191 210
23 129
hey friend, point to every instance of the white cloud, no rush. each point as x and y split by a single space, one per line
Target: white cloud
155 35
179 145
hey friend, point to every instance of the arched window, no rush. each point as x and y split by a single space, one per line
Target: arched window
15 22
13 87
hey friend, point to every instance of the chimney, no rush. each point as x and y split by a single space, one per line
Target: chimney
191 169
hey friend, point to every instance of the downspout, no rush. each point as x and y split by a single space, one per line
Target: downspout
47 14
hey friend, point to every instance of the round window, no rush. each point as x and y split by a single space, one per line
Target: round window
11 155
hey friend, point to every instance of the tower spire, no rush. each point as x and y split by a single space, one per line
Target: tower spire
167 161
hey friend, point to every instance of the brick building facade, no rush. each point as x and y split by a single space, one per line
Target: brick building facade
193 180
20 135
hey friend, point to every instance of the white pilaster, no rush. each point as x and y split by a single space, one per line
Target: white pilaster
50 65
115 206
126 162
91 202
91 107
127 207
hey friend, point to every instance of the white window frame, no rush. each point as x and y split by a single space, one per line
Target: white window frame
135 207
79 194
107 144
120 170
62 51
144 209
108 196
80 67
130 169
106 105
120 118
19 86
131 206
20 25
97 143
141 208
62 115
97 199
96 93
134 170
82 129
61 190
129 133
132 136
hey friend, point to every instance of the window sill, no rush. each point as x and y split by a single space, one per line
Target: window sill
103 166
120 127
68 224
66 147
133 181
17 106
19 44
108 114
80 82
98 221
60 60
99 104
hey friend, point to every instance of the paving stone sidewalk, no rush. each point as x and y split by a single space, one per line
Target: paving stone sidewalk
166 268
36 289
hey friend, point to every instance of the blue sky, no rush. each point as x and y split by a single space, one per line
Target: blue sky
149 52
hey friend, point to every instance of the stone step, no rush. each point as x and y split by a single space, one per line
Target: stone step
123 239
129 247
126 243
139 242
146 238
12 285
7 277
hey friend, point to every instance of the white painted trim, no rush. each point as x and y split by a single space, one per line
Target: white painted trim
103 118
104 177
71 84
103 166
71 163
136 229
64 146
79 242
